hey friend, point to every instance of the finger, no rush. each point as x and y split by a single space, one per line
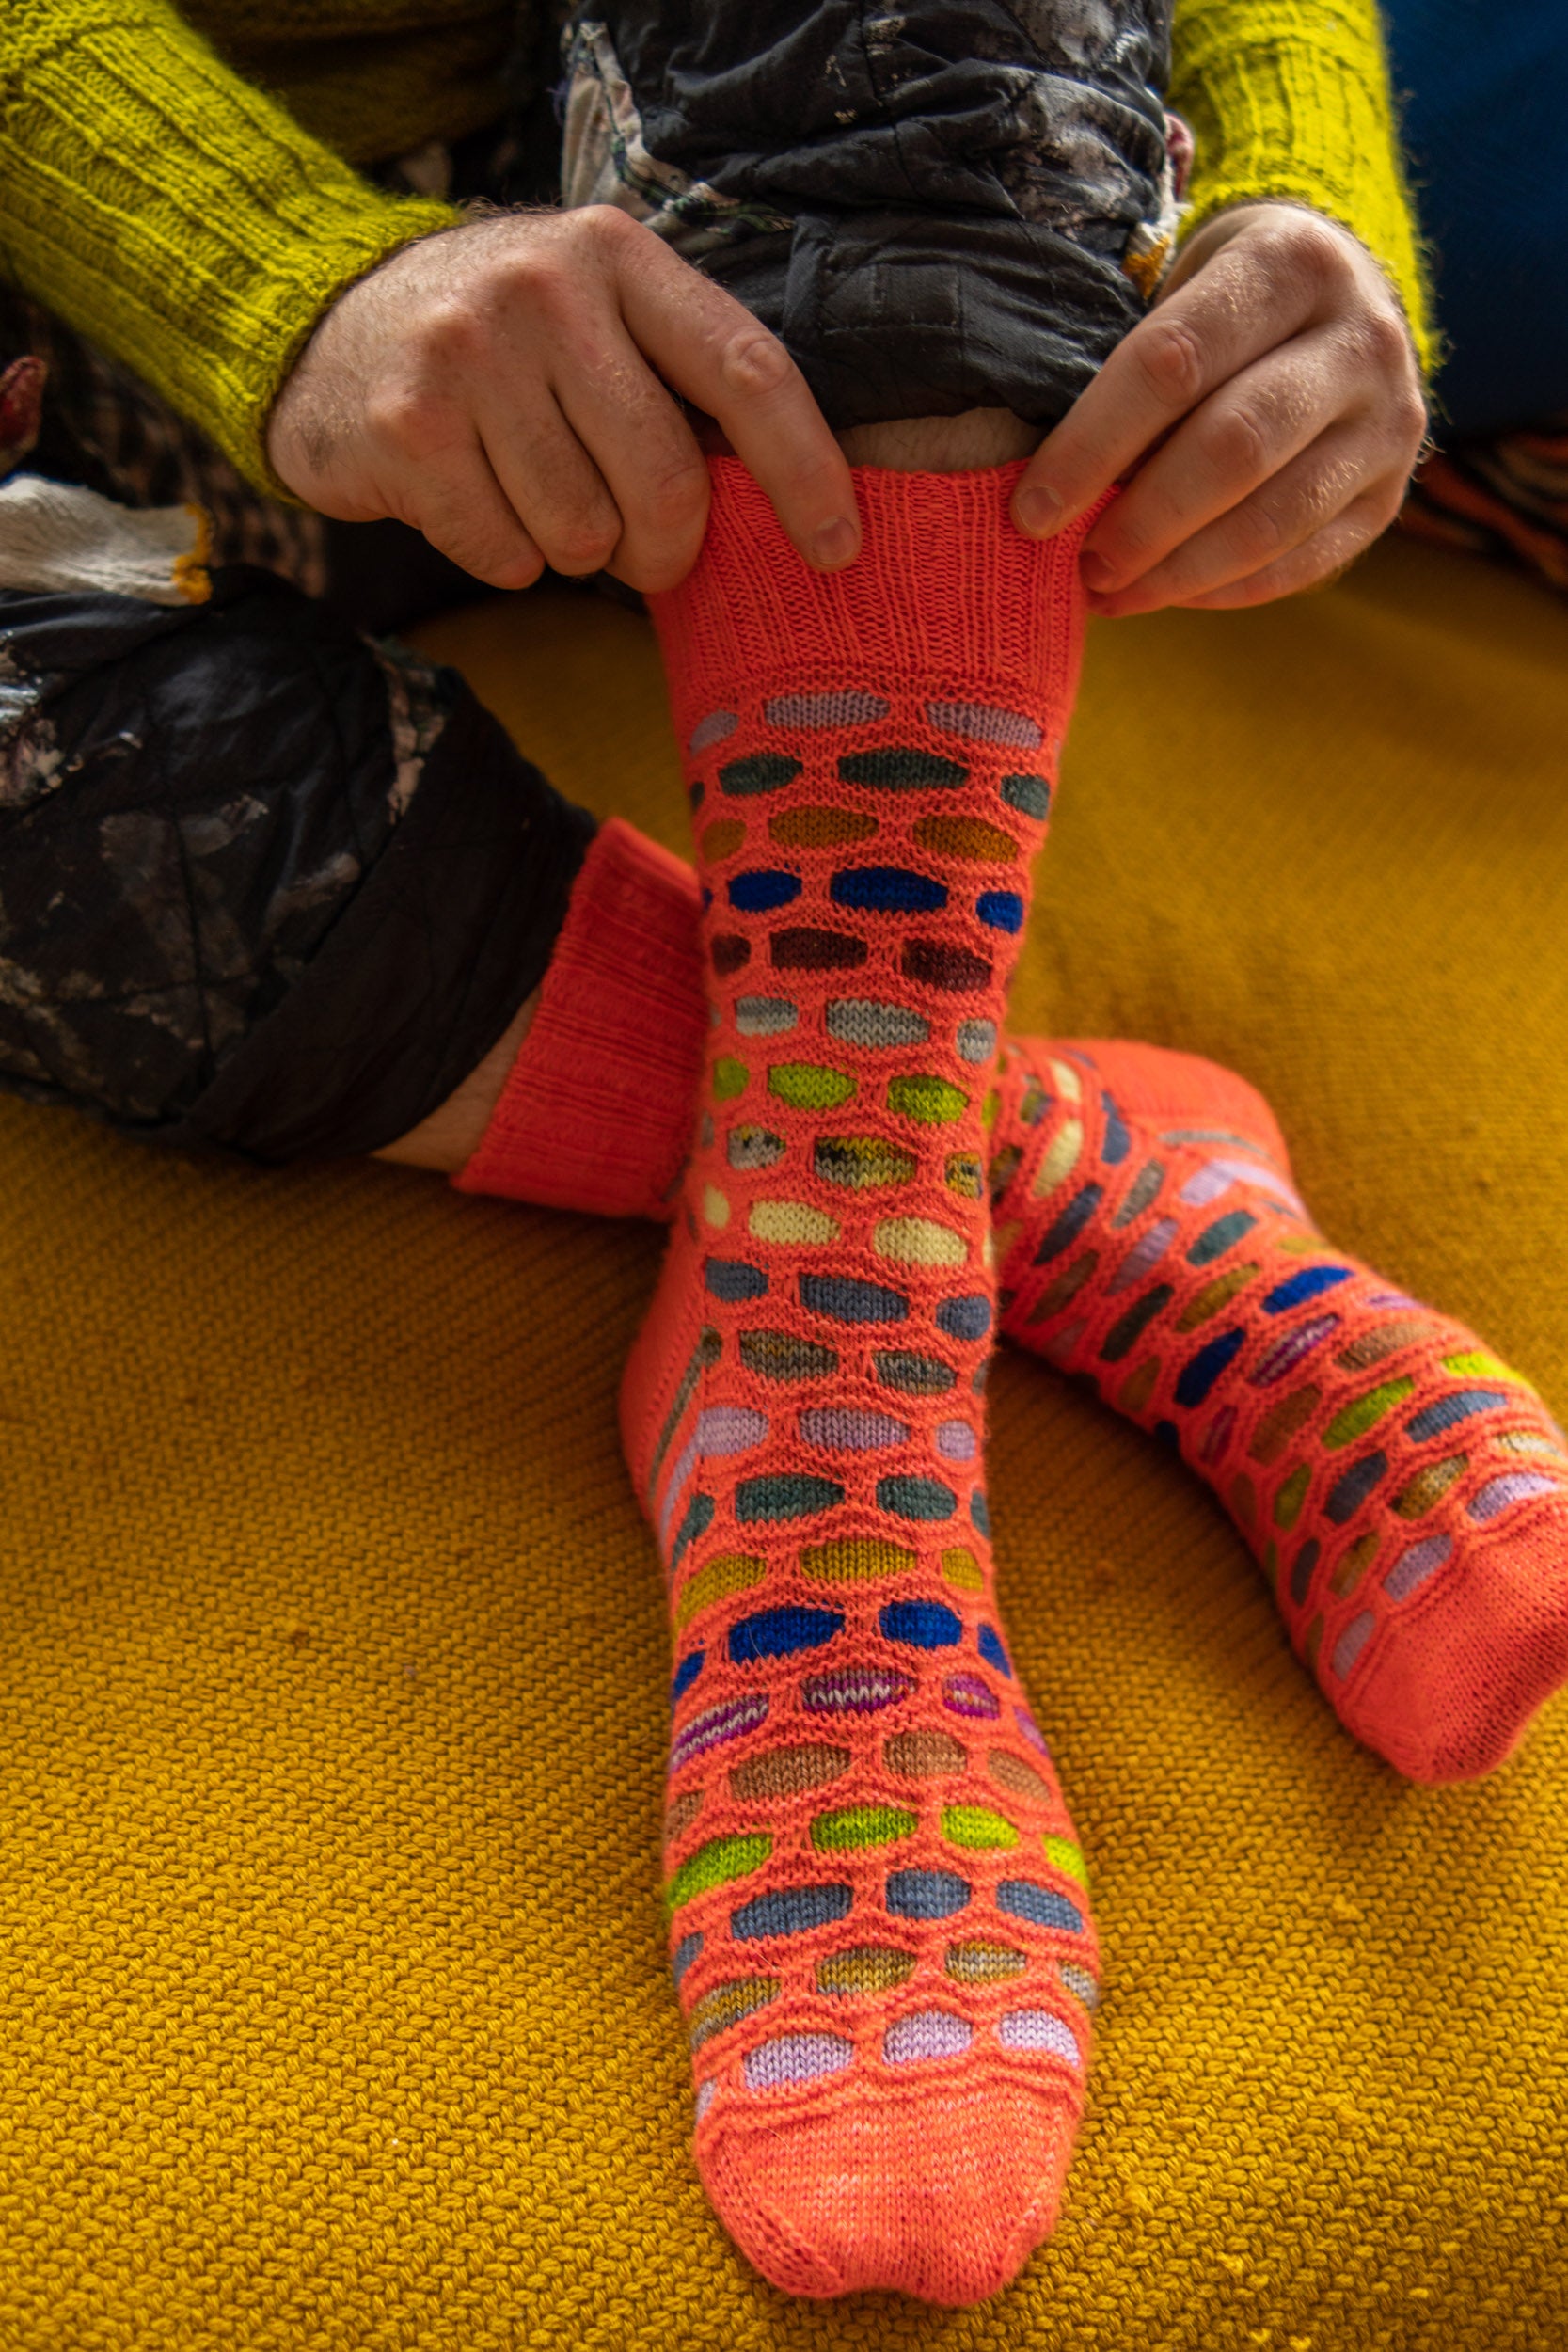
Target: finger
1317 560
717 354
646 454
551 483
1239 439
1340 466
458 504
1254 294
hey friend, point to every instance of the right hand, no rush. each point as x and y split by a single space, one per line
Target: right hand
502 386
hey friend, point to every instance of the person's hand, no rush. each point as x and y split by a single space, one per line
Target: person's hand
1268 411
506 387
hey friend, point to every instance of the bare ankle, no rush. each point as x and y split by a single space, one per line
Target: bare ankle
448 1138
980 437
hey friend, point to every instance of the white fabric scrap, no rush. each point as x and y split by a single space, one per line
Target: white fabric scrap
56 535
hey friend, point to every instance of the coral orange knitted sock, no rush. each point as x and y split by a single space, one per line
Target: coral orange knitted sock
877 1918
595 1113
1406 1493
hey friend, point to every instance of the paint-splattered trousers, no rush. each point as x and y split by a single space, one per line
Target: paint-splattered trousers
271 884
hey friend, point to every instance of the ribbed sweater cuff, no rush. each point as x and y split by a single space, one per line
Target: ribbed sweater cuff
179 217
1290 103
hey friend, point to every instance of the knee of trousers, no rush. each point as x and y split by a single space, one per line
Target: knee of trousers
952 206
265 885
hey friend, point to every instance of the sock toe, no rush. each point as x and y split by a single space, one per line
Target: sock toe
944 2200
1451 1698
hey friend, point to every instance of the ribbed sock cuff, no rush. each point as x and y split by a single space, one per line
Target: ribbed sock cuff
596 1111
946 595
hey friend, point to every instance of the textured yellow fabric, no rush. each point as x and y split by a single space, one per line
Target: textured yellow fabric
197 228
1289 99
333 2008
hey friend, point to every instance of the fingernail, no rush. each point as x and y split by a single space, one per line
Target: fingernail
1097 573
834 543
1037 512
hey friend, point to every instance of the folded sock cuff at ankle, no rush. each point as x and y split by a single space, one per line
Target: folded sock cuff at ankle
596 1114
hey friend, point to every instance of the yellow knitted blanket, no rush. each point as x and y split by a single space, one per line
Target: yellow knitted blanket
333 2008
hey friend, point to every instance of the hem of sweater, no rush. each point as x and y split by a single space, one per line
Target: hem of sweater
1296 112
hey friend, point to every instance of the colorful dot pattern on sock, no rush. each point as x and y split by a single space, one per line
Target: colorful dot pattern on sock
1371 1450
892 1156
857 1708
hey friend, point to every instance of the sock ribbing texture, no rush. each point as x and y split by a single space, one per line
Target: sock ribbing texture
877 1917
596 1112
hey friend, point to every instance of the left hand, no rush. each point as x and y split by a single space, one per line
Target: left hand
1268 411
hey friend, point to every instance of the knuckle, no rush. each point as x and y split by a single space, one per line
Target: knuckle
1385 506
1258 534
754 363
1414 423
1385 342
539 280
1171 359
406 421
1129 546
583 544
512 571
605 226
653 572
477 544
1241 442
451 334
674 503
1313 250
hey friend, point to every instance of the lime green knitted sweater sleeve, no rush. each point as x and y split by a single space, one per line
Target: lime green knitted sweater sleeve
1289 99
173 213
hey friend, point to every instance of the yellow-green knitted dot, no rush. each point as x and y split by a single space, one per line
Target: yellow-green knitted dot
715 1863
807 1086
715 1209
976 1826
933 1102
1288 1501
860 1826
1478 1363
1366 1411
731 1572
1067 1858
